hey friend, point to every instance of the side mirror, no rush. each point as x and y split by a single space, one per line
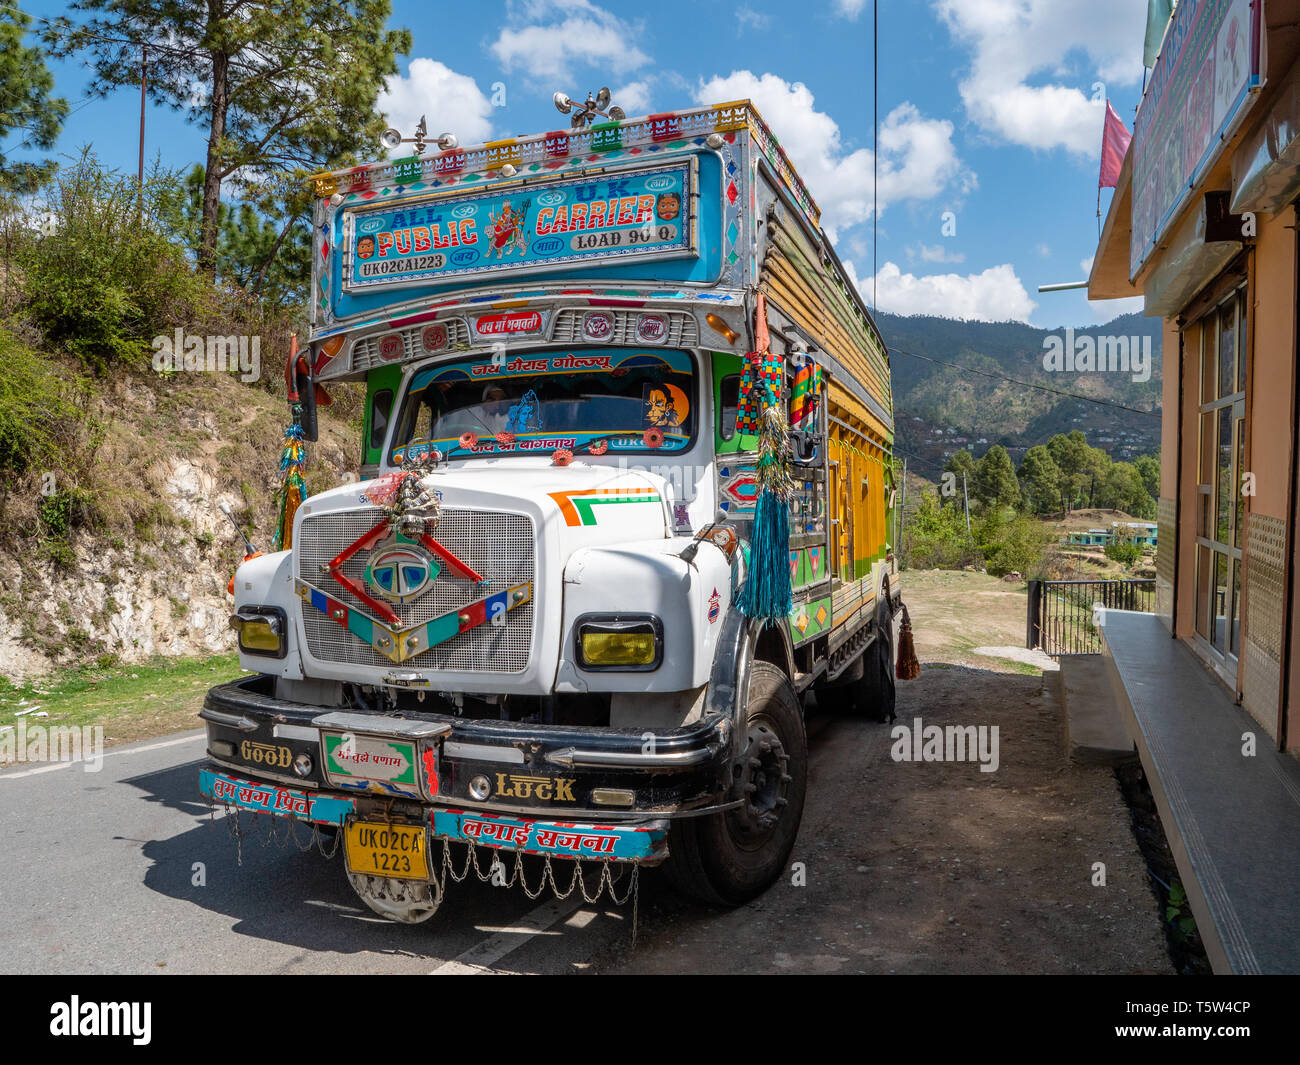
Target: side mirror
805 447
306 389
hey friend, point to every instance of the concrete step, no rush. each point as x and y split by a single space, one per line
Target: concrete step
1096 733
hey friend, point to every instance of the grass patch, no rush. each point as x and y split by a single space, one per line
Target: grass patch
130 702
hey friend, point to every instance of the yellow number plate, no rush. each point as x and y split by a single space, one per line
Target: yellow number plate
399 851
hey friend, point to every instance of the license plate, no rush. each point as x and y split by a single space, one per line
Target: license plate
397 851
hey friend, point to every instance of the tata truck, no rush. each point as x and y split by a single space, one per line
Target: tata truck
518 636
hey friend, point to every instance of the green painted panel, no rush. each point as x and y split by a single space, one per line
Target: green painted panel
385 377
724 365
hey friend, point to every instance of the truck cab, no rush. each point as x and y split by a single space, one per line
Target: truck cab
521 628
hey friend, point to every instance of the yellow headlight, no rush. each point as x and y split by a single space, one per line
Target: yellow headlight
258 636
618 648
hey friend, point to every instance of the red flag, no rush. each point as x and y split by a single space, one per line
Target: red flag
1114 144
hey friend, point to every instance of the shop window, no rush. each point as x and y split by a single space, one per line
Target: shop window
1221 424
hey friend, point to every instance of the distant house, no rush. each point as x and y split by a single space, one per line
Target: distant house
1090 538
1143 533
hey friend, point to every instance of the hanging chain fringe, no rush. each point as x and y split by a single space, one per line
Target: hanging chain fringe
495 873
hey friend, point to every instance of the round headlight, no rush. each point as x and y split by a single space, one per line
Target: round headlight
302 765
479 787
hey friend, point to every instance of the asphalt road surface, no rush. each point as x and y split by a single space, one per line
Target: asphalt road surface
902 867
99 876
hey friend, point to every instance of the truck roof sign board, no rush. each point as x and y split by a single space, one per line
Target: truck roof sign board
1199 91
637 213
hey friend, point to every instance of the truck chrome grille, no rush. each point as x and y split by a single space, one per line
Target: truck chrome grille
499 546
682 330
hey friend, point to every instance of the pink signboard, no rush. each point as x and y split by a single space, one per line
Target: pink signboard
1202 86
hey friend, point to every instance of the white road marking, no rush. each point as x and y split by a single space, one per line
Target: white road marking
7 775
479 959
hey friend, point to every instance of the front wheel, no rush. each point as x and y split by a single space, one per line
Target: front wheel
728 858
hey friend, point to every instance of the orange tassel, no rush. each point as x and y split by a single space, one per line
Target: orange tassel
909 666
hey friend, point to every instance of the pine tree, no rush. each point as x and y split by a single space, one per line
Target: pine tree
25 104
1040 481
995 479
283 89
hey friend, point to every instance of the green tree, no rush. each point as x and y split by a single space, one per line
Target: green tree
1121 548
1070 453
1123 488
1040 481
25 104
255 252
995 479
934 536
1148 467
282 89
107 276
960 462
962 467
1009 541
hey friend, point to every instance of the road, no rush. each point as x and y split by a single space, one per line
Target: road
100 869
902 867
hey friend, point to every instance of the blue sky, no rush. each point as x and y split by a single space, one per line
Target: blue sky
989 109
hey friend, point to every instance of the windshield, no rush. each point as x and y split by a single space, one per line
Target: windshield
587 400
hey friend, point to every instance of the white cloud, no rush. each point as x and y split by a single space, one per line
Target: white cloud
451 103
1015 42
849 8
634 97
917 157
995 295
748 18
547 39
1086 265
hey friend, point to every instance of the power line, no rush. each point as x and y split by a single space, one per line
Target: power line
875 141
1026 384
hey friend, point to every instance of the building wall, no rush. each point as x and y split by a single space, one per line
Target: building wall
1270 411
1270 400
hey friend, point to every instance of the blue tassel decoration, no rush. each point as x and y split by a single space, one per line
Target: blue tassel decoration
767 593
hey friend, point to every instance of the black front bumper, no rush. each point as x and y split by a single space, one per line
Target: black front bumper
558 771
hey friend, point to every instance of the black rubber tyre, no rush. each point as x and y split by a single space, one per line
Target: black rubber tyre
728 858
874 694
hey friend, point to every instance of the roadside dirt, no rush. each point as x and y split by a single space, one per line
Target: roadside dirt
936 866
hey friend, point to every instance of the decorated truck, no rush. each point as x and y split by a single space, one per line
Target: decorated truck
625 504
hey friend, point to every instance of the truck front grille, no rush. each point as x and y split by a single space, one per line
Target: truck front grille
499 546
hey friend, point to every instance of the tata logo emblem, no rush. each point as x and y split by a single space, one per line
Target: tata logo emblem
597 326
511 786
401 572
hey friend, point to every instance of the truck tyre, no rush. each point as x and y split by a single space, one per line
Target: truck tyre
728 858
874 695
